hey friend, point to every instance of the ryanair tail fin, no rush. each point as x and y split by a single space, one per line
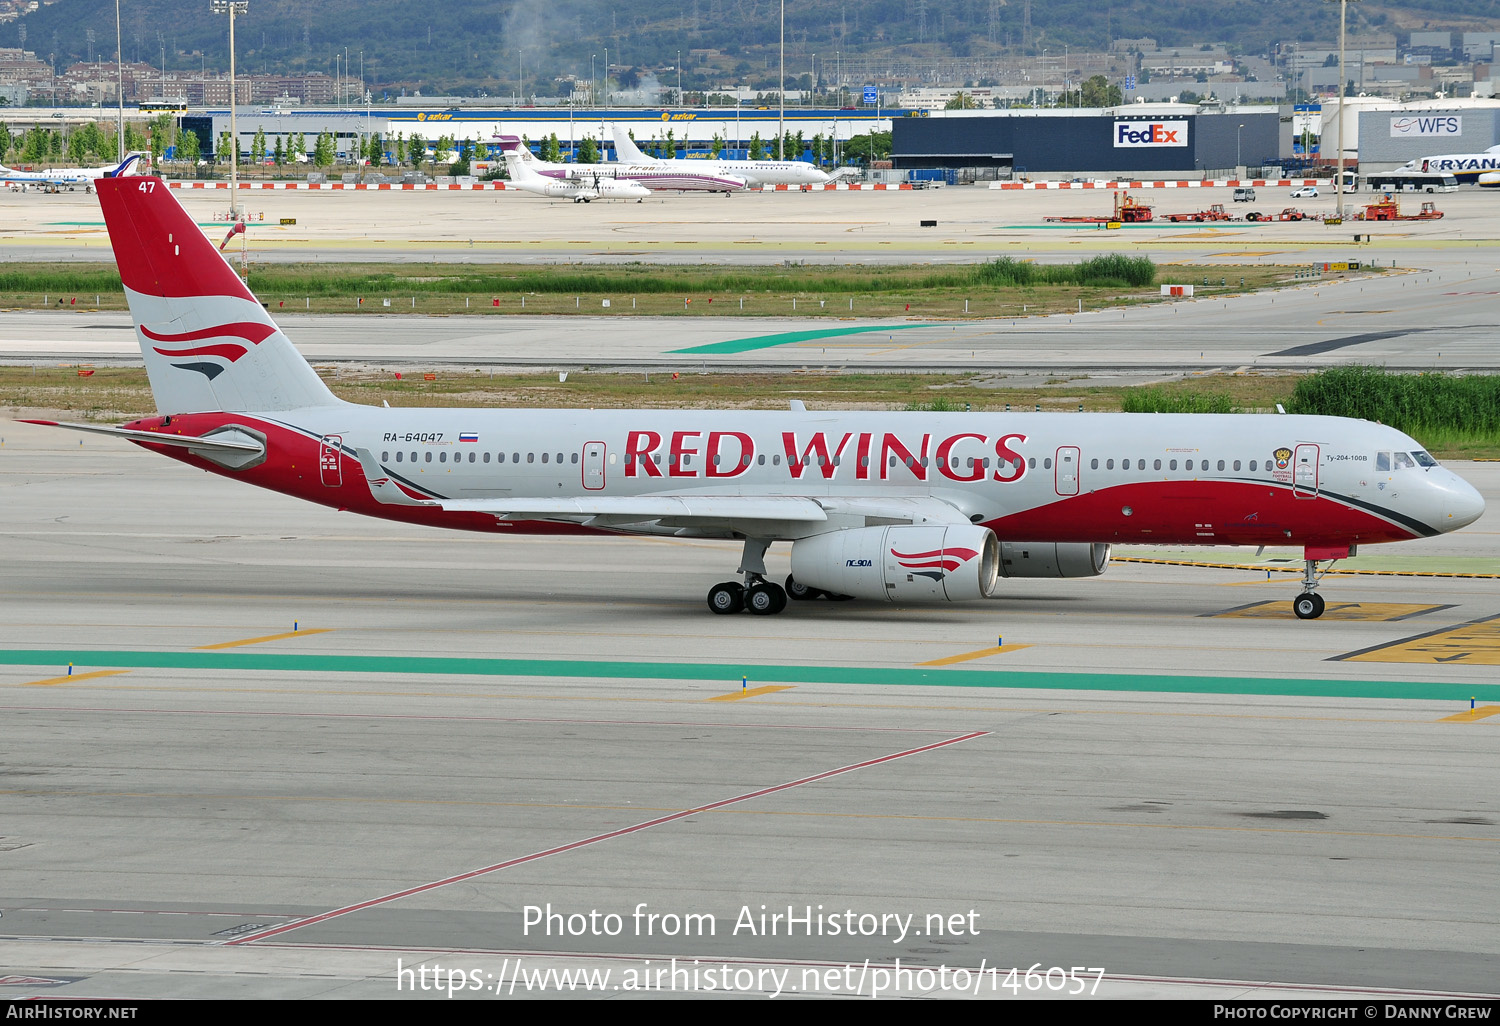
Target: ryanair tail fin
208 343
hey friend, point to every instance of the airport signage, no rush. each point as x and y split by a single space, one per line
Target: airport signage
869 94
1138 135
1408 127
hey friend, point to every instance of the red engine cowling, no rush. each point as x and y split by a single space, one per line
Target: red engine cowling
1053 559
901 564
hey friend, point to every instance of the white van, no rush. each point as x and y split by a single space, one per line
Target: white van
1244 194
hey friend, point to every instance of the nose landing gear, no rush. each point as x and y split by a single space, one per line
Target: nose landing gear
1309 605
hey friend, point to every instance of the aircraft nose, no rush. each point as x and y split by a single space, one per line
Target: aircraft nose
1463 504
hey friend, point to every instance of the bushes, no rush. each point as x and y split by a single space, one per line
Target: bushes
1432 406
1161 400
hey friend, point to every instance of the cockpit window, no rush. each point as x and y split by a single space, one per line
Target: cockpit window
1403 461
1382 461
1424 459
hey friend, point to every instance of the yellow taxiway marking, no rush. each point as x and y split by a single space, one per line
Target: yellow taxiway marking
71 678
268 637
1476 644
982 653
735 696
1377 611
1470 715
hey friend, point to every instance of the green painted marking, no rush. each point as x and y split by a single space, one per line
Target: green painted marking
730 672
745 345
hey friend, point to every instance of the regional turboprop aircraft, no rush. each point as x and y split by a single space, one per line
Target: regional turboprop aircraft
67 177
655 178
579 190
756 172
900 507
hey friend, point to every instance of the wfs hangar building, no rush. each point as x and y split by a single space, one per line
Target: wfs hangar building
1136 140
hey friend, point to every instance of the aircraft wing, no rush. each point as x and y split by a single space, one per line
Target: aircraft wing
688 511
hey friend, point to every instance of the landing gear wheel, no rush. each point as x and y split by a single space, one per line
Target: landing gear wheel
799 592
725 598
1308 606
765 599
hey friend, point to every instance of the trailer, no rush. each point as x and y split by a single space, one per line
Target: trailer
1288 214
1388 209
1215 212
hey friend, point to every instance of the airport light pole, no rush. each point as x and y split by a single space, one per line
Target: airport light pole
679 81
1338 175
781 93
1237 160
119 88
231 8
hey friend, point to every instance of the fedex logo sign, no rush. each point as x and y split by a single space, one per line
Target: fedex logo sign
1405 127
1142 134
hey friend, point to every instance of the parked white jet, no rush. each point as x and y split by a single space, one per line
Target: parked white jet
756 172
1466 167
897 507
579 190
68 177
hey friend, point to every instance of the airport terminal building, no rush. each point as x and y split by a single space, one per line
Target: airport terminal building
1136 140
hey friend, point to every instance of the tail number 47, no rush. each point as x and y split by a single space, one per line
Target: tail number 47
147 186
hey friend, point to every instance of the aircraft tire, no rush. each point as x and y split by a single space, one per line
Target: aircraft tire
798 592
1308 605
765 599
726 598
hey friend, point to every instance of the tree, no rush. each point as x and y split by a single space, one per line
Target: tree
445 146
551 149
717 146
375 150
324 152
188 148
961 101
416 149
162 130
862 149
757 148
279 155
588 151
1097 92
258 146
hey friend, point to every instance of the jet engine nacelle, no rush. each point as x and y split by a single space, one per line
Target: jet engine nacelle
1053 559
901 564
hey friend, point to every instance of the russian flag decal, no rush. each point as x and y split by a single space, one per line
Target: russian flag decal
468 436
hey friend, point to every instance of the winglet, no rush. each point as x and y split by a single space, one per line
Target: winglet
382 487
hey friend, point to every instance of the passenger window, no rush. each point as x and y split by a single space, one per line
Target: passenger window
575 458
1109 464
559 457
924 461
1189 464
531 457
1094 464
442 457
1172 465
1141 464
474 456
1236 464
429 455
1156 465
398 457
1221 465
687 458
1252 466
836 461
745 460
1031 463
544 456
486 457
716 459
385 457
1047 463
761 459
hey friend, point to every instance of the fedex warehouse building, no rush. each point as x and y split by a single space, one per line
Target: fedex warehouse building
1136 141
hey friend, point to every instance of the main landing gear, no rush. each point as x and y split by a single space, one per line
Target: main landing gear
757 594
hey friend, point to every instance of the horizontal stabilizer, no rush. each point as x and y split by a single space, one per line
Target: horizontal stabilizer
199 442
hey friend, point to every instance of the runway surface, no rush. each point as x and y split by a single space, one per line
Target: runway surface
1159 773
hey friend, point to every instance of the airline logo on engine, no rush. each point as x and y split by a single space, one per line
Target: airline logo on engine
935 563
1136 135
1407 127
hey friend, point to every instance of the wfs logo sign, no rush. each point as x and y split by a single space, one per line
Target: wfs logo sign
1409 127
1136 135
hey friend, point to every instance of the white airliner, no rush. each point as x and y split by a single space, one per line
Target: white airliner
68 177
756 172
1466 167
898 507
653 177
579 190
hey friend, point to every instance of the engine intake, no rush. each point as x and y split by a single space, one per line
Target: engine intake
924 563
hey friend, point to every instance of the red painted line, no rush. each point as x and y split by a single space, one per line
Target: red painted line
597 838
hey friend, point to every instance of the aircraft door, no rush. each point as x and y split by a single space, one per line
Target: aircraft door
1067 470
593 465
330 460
1305 471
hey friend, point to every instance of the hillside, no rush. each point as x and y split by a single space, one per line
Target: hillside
469 46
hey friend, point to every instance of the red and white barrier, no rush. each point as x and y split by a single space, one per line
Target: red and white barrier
1207 183
356 186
